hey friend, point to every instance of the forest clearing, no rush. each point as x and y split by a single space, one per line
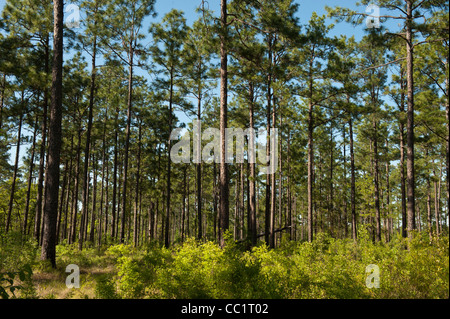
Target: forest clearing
224 149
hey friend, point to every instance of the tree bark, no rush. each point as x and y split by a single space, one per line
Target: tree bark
94 202
183 207
127 142
273 189
268 218
388 195
167 220
410 180
61 203
437 199
52 181
73 224
136 196
2 98
223 168
447 155
376 183
252 203
40 187
199 174
352 182
16 164
114 209
30 177
310 166
87 147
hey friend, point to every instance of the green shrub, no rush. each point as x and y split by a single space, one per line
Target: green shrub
325 268
105 288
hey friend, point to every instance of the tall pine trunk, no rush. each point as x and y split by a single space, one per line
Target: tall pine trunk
87 147
30 177
40 187
410 180
169 166
376 182
136 198
252 231
199 175
402 156
352 181
16 165
223 168
310 164
127 143
52 172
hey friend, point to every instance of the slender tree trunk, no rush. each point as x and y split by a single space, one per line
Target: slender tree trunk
268 217
410 180
69 178
447 111
273 204
376 183
331 202
199 174
437 198
136 199
104 204
215 204
16 165
280 184
73 224
40 187
289 194
223 169
94 202
55 139
87 147
183 209
2 98
187 208
429 221
352 182
127 142
236 206
252 196
61 203
30 177
402 153
344 191
310 168
241 203
167 221
388 195
114 208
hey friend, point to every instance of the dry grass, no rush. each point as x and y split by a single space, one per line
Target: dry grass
51 284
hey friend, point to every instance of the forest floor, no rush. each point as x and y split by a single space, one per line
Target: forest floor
326 268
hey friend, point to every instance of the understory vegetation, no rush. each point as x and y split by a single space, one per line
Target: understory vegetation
325 268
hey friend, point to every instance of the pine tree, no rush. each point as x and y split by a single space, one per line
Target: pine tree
54 141
123 37
166 52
